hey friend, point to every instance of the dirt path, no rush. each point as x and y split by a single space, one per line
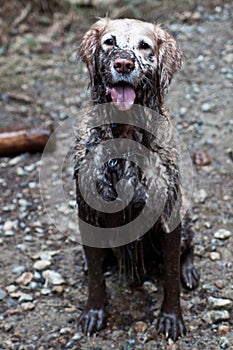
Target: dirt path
38 309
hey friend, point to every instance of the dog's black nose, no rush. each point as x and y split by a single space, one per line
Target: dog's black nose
122 65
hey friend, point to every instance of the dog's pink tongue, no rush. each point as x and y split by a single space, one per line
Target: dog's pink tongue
123 96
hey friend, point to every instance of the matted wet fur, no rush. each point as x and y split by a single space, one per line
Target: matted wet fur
132 62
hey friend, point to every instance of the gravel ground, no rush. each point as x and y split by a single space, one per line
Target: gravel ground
43 285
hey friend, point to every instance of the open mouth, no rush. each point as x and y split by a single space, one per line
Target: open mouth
123 95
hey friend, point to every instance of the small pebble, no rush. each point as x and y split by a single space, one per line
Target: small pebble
228 58
223 329
33 285
140 327
8 326
9 225
23 202
9 233
183 111
18 270
41 265
215 256
16 160
215 316
150 287
45 291
20 171
77 336
58 289
11 288
66 330
25 297
28 306
29 168
201 158
11 303
206 107
16 294
52 277
224 343
3 294
200 196
219 284
222 234
32 185
219 303
25 278
173 346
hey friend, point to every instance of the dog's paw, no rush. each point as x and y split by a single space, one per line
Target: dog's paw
189 276
91 321
171 325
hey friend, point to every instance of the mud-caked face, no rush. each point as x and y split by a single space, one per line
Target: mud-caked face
129 61
127 57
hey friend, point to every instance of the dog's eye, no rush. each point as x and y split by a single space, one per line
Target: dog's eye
144 46
109 42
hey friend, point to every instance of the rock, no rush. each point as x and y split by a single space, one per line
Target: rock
58 289
201 158
219 303
183 111
228 58
16 160
32 185
11 288
206 107
140 327
77 336
215 256
116 335
18 270
45 291
29 168
9 225
41 265
219 284
200 196
8 326
25 278
23 202
66 330
215 316
28 306
222 234
223 329
224 343
11 303
25 297
3 294
52 277
33 285
20 171
150 287
173 346
9 233
16 295
45 256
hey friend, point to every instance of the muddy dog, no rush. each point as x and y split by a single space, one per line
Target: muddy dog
132 62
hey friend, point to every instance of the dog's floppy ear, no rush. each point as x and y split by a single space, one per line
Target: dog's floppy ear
90 42
169 58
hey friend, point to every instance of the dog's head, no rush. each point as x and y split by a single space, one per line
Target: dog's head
129 61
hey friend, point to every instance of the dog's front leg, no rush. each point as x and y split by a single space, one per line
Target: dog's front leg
92 319
171 321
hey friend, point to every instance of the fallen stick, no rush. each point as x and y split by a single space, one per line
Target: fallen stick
20 140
